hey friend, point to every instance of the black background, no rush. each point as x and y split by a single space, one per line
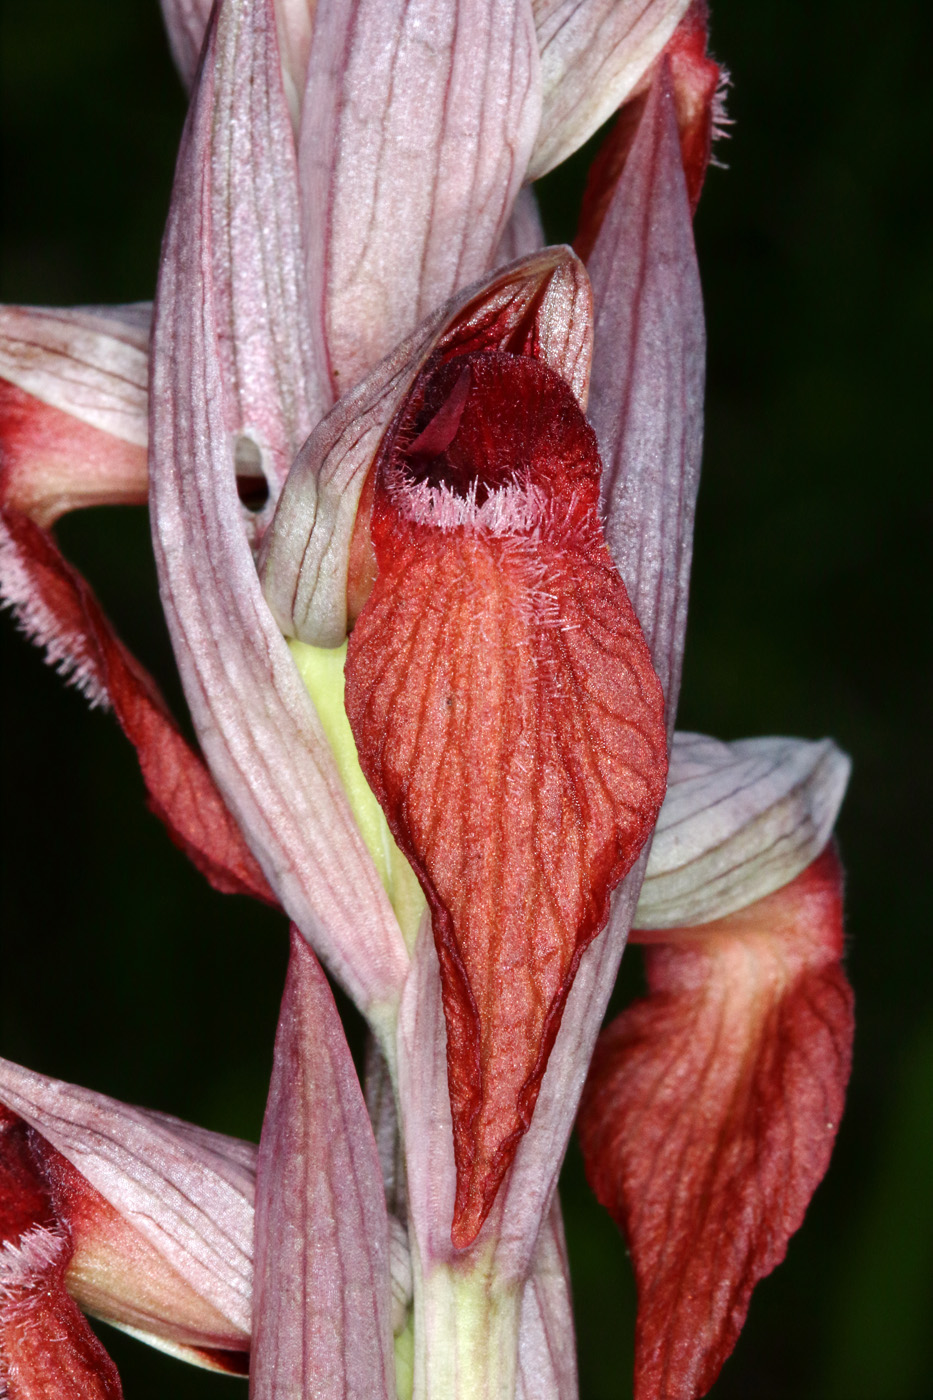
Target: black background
122 970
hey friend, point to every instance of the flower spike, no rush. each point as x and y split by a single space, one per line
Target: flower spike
710 1113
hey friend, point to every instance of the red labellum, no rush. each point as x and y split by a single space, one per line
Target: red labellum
52 463
507 717
710 1113
696 82
47 1349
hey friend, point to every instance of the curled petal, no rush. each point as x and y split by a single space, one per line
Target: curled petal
507 718
416 130
649 350
739 821
593 53
710 1114
161 1214
260 732
540 306
321 1316
698 84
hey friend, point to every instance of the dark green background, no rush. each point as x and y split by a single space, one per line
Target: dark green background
123 971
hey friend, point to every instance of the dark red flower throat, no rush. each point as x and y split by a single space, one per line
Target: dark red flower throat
508 719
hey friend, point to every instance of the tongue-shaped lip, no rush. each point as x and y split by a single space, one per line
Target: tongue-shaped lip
507 718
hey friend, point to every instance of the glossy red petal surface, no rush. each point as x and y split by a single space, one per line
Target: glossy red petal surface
710 1114
507 717
694 80
47 1350
55 607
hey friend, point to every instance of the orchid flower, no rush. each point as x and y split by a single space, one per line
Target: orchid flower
429 618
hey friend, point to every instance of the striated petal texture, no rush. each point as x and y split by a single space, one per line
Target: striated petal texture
507 718
260 732
316 562
646 393
547 1351
418 122
739 821
47 1350
322 1302
593 53
710 1113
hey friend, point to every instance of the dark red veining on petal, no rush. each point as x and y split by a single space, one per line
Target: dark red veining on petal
710 1114
695 81
508 719
47 1349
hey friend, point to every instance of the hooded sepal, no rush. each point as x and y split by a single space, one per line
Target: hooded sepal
507 718
73 408
710 1113
739 821
158 1216
47 1349
316 560
230 269
322 1302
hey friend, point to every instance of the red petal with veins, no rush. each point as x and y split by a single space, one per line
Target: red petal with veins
695 80
710 1114
47 1350
507 717
57 609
